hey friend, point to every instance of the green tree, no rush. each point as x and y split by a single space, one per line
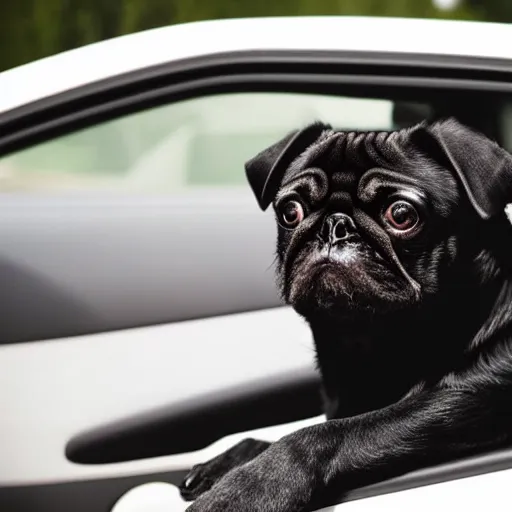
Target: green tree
492 10
32 29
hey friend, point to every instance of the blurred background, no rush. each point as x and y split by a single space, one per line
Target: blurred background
31 29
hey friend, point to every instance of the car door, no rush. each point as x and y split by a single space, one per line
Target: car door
140 319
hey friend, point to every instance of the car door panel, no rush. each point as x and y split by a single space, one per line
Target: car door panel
137 379
87 277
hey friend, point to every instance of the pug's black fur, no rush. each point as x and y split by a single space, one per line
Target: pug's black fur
396 249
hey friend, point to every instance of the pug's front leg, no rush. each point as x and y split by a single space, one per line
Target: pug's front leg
315 465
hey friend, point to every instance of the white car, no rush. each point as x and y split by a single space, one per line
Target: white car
141 332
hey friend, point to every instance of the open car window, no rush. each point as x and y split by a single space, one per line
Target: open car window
201 142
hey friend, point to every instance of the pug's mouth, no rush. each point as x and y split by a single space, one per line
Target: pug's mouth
347 275
344 257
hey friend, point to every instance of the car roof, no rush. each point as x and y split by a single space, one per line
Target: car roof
120 55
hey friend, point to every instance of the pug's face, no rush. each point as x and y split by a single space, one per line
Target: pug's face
361 234
372 222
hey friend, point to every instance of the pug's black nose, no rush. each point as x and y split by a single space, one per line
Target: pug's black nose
338 227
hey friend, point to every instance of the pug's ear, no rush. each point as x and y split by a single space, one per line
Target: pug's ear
266 170
481 165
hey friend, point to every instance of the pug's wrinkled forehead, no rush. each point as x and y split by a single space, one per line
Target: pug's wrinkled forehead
481 167
349 167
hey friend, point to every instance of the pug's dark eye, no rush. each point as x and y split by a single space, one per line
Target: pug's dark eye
401 216
292 214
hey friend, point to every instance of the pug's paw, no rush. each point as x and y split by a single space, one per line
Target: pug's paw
203 476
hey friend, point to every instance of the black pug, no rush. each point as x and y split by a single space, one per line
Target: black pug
396 248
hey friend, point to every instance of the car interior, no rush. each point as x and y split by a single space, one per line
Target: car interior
140 318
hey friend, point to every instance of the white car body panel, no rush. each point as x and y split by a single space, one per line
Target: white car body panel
472 494
116 56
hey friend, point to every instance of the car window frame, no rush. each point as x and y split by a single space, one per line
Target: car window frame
319 72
